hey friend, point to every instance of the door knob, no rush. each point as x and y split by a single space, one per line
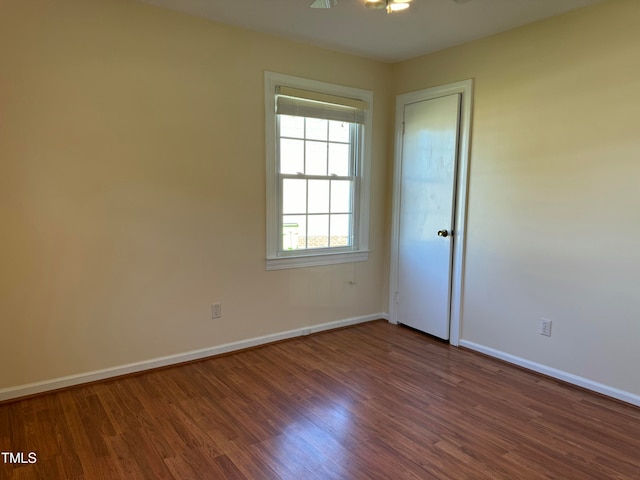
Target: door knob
443 233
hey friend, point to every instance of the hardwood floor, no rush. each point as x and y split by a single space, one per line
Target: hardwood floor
374 401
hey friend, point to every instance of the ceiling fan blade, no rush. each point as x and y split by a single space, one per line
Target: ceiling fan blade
324 3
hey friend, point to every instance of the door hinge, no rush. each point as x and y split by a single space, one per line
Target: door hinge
396 297
402 128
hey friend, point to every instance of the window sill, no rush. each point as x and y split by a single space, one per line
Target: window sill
315 260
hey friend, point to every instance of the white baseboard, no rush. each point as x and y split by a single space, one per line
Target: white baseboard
555 373
96 375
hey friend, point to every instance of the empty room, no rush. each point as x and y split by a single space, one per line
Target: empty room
319 239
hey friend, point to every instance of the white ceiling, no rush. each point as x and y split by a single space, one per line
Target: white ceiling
428 26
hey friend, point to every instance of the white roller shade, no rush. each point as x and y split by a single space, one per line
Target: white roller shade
304 103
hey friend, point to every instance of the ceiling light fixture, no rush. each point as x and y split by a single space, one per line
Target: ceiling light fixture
390 5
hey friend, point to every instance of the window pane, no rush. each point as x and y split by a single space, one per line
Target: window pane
291 156
341 196
340 230
291 126
318 231
316 163
317 129
318 196
294 196
339 159
294 232
339 131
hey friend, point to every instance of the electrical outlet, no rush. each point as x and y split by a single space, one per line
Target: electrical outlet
216 310
545 327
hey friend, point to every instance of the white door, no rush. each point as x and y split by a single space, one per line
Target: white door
427 213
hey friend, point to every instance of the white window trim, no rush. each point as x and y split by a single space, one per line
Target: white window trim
308 258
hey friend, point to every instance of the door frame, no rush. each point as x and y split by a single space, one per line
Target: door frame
465 89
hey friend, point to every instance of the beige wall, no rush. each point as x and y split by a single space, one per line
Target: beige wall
554 199
132 188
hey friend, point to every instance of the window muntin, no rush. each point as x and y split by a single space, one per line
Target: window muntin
317 181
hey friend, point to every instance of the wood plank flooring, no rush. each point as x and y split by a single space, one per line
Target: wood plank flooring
373 401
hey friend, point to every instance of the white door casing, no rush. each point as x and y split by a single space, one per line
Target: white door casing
409 104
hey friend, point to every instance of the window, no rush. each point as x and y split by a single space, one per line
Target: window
318 150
